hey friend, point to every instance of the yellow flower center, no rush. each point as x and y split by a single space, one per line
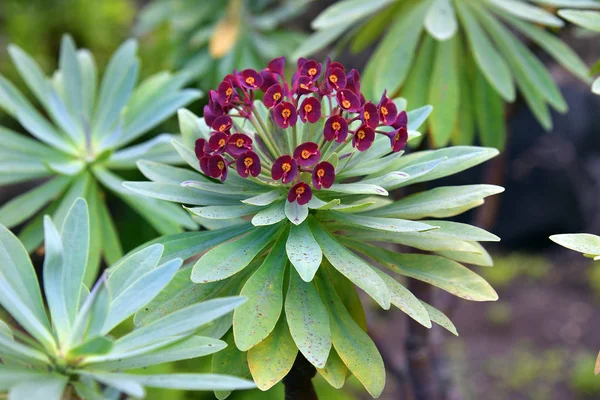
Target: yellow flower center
300 190
240 142
333 78
250 81
367 115
221 165
312 71
229 92
361 134
276 96
221 142
346 103
286 167
223 128
306 154
248 162
307 108
320 172
336 126
286 113
384 110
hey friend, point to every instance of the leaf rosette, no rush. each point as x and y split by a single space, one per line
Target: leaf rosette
303 183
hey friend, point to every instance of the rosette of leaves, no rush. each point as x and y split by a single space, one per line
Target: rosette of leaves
305 178
70 352
211 38
460 56
82 139
588 20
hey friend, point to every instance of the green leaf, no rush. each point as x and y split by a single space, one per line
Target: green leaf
30 71
420 76
440 20
444 92
353 345
89 79
49 387
303 251
295 212
95 252
272 359
358 188
158 149
308 321
558 49
72 79
481 257
491 64
180 322
402 298
319 40
335 371
163 173
465 130
178 194
265 199
379 224
438 271
14 350
254 320
191 381
21 295
528 12
229 258
582 242
440 318
140 293
489 113
5 330
97 345
54 278
230 361
13 375
596 86
440 202
346 12
388 67
111 245
121 382
123 274
271 215
187 244
223 212
351 266
75 238
189 348
586 19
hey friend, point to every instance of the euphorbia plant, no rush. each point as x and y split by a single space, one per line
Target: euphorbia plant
83 139
71 354
302 177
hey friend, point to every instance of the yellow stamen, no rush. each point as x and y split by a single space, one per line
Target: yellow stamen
367 115
306 154
361 134
300 190
276 96
250 81
248 162
320 172
333 78
307 108
240 142
336 126
286 113
312 71
221 142
221 165
286 167
384 110
346 103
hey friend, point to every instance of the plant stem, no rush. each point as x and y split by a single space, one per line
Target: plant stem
298 382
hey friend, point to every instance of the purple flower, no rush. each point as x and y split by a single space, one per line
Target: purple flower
238 143
369 116
348 101
306 85
307 154
387 110
284 168
222 124
285 114
217 142
398 138
273 95
225 93
310 110
353 81
336 128
312 69
401 121
335 78
250 79
363 138
200 148
217 167
323 175
300 192
247 164
269 79
277 66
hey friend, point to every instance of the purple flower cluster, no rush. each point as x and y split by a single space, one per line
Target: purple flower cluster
312 85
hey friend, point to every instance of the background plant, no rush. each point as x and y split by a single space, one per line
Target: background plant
84 139
209 39
313 307
463 51
72 352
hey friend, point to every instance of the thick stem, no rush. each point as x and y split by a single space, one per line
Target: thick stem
418 350
298 382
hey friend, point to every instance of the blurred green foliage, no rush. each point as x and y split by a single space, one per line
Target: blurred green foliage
508 268
582 378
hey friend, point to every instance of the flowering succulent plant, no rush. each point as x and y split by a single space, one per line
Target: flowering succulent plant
300 174
72 355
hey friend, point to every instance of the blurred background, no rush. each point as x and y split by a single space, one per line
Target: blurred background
540 340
